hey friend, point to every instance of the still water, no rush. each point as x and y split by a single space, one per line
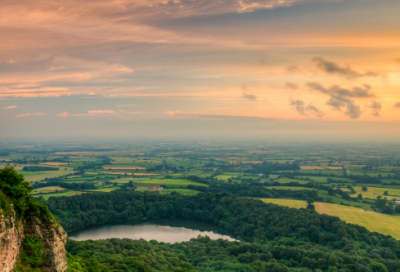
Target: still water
162 230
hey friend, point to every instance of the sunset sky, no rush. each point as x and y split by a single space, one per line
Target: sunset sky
265 68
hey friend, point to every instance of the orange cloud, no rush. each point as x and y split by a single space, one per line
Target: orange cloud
95 113
9 107
29 114
63 114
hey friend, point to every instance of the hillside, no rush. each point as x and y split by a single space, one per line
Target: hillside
30 237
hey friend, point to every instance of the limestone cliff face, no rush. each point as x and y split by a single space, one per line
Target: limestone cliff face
51 234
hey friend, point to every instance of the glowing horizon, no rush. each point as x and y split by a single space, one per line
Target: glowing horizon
124 62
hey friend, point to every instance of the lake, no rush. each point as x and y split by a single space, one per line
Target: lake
162 230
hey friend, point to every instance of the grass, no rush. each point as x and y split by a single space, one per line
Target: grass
338 200
375 222
38 176
49 189
289 188
224 177
325 179
64 193
374 192
169 182
286 202
385 224
181 191
288 180
105 189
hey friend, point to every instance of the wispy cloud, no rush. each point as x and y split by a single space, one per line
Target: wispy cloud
291 85
63 114
344 98
95 113
345 70
9 107
251 97
376 108
120 113
28 114
306 110
397 105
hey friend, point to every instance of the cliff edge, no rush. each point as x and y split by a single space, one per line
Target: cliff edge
30 237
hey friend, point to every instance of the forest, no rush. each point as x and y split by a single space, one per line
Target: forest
275 238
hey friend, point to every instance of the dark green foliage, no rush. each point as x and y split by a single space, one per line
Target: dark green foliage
39 168
204 254
16 190
257 190
265 224
73 186
32 252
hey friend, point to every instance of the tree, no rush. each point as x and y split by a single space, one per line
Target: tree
365 189
386 193
377 267
360 196
14 186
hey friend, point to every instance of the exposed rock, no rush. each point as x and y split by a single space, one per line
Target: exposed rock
51 234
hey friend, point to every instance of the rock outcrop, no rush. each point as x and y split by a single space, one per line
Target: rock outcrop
47 230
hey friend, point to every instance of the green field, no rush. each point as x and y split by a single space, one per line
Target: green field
338 200
288 180
181 191
224 177
286 202
64 193
38 176
49 189
324 179
168 182
385 224
374 192
289 188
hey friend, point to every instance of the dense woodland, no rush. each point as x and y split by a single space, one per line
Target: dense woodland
282 238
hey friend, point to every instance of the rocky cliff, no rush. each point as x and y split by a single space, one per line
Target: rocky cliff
46 230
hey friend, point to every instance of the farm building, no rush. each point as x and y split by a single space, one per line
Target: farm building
155 188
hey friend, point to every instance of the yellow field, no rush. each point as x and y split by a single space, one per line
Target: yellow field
375 192
385 224
49 189
286 202
130 174
54 163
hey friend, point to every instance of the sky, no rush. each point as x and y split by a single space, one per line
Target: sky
306 69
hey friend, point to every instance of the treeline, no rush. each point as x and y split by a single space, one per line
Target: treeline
204 254
71 186
271 167
39 168
257 190
312 240
198 179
